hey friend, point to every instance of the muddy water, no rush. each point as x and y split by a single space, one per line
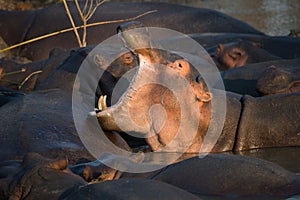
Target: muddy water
273 17
286 157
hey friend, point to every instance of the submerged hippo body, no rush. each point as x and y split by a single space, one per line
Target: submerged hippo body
238 176
280 46
44 117
45 123
7 95
188 20
215 175
39 178
50 134
27 77
131 189
245 80
257 128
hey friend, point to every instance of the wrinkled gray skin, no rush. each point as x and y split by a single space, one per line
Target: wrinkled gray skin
40 122
245 80
7 95
18 26
131 189
216 175
231 176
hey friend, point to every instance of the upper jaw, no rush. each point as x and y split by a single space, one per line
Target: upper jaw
135 37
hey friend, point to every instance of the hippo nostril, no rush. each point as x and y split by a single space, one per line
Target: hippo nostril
119 29
97 175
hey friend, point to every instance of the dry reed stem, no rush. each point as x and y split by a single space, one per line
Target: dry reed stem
77 27
85 16
72 23
28 77
12 73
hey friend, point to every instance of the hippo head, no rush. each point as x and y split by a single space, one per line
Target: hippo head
163 103
276 80
41 178
228 56
240 53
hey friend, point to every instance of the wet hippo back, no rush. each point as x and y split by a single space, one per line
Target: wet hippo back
40 122
222 174
270 121
181 18
244 80
131 189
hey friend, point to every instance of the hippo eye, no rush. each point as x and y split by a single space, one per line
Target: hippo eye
180 65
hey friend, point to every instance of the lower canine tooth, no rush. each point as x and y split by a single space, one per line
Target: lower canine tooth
102 103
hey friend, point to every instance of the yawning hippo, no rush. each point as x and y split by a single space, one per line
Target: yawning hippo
249 121
179 71
244 80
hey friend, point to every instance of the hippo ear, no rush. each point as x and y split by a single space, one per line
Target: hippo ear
295 87
87 173
236 54
201 94
204 96
1 72
220 48
59 164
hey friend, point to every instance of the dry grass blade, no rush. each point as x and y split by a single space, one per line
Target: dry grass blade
78 27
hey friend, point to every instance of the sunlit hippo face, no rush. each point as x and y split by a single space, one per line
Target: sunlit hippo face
229 56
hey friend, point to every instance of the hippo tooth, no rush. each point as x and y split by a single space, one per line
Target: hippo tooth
102 103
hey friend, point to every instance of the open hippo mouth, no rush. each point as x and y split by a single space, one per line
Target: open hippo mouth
162 104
